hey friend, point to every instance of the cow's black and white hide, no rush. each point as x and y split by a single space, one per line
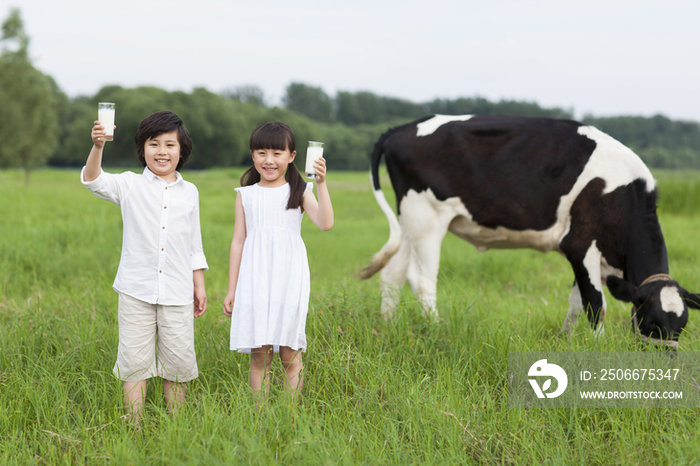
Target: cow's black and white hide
546 184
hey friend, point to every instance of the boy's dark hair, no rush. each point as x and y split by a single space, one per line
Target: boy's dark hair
157 124
277 136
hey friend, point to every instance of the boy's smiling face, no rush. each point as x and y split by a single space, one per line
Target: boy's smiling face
162 154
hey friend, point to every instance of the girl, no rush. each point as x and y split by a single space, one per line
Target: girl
269 284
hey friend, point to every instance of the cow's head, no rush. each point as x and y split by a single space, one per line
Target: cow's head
659 307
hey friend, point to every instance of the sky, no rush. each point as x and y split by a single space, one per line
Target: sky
597 57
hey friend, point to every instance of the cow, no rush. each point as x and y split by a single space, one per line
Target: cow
541 183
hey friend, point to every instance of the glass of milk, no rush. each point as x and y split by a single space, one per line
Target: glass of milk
105 115
313 152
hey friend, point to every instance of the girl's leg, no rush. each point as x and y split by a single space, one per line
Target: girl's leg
174 395
260 359
134 394
292 363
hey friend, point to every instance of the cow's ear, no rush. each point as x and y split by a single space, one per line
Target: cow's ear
691 299
621 289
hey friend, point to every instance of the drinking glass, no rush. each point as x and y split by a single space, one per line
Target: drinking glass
105 115
313 152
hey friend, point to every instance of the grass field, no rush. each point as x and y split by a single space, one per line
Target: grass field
408 391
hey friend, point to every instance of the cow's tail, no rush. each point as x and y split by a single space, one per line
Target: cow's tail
392 245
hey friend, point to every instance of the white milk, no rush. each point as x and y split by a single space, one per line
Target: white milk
312 154
106 118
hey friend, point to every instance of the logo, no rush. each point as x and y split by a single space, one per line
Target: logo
543 369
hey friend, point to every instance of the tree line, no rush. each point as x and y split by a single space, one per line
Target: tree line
40 125
658 140
219 126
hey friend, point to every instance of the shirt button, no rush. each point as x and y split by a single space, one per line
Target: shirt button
163 228
165 207
160 271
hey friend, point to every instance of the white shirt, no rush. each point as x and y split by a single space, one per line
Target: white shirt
162 240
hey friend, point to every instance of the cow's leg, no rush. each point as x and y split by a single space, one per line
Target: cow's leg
423 271
424 264
424 222
588 279
393 278
575 308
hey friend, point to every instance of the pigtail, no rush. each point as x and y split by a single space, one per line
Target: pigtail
297 186
250 177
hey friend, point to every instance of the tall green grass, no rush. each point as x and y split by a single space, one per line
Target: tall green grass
405 391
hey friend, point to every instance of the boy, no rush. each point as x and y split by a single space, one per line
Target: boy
160 279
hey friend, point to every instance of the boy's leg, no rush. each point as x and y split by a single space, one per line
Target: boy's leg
134 394
136 354
260 359
177 361
174 395
293 365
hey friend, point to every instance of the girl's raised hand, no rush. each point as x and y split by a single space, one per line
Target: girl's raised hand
320 169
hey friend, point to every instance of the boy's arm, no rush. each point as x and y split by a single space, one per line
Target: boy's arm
198 261
234 266
320 212
197 258
93 166
200 294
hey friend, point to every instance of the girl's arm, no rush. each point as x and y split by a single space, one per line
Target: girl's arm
200 294
239 235
93 166
320 212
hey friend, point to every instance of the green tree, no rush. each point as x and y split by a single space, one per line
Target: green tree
29 102
482 106
659 141
245 94
219 127
309 101
367 108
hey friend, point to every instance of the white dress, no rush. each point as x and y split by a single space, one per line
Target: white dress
272 294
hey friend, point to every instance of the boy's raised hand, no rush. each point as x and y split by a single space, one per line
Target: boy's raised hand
98 134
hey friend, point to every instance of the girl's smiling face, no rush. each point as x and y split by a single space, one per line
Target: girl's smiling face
162 154
272 165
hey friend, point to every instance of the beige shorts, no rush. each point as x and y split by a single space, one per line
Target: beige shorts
138 358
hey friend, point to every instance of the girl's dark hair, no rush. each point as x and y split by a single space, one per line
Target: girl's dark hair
276 136
157 124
